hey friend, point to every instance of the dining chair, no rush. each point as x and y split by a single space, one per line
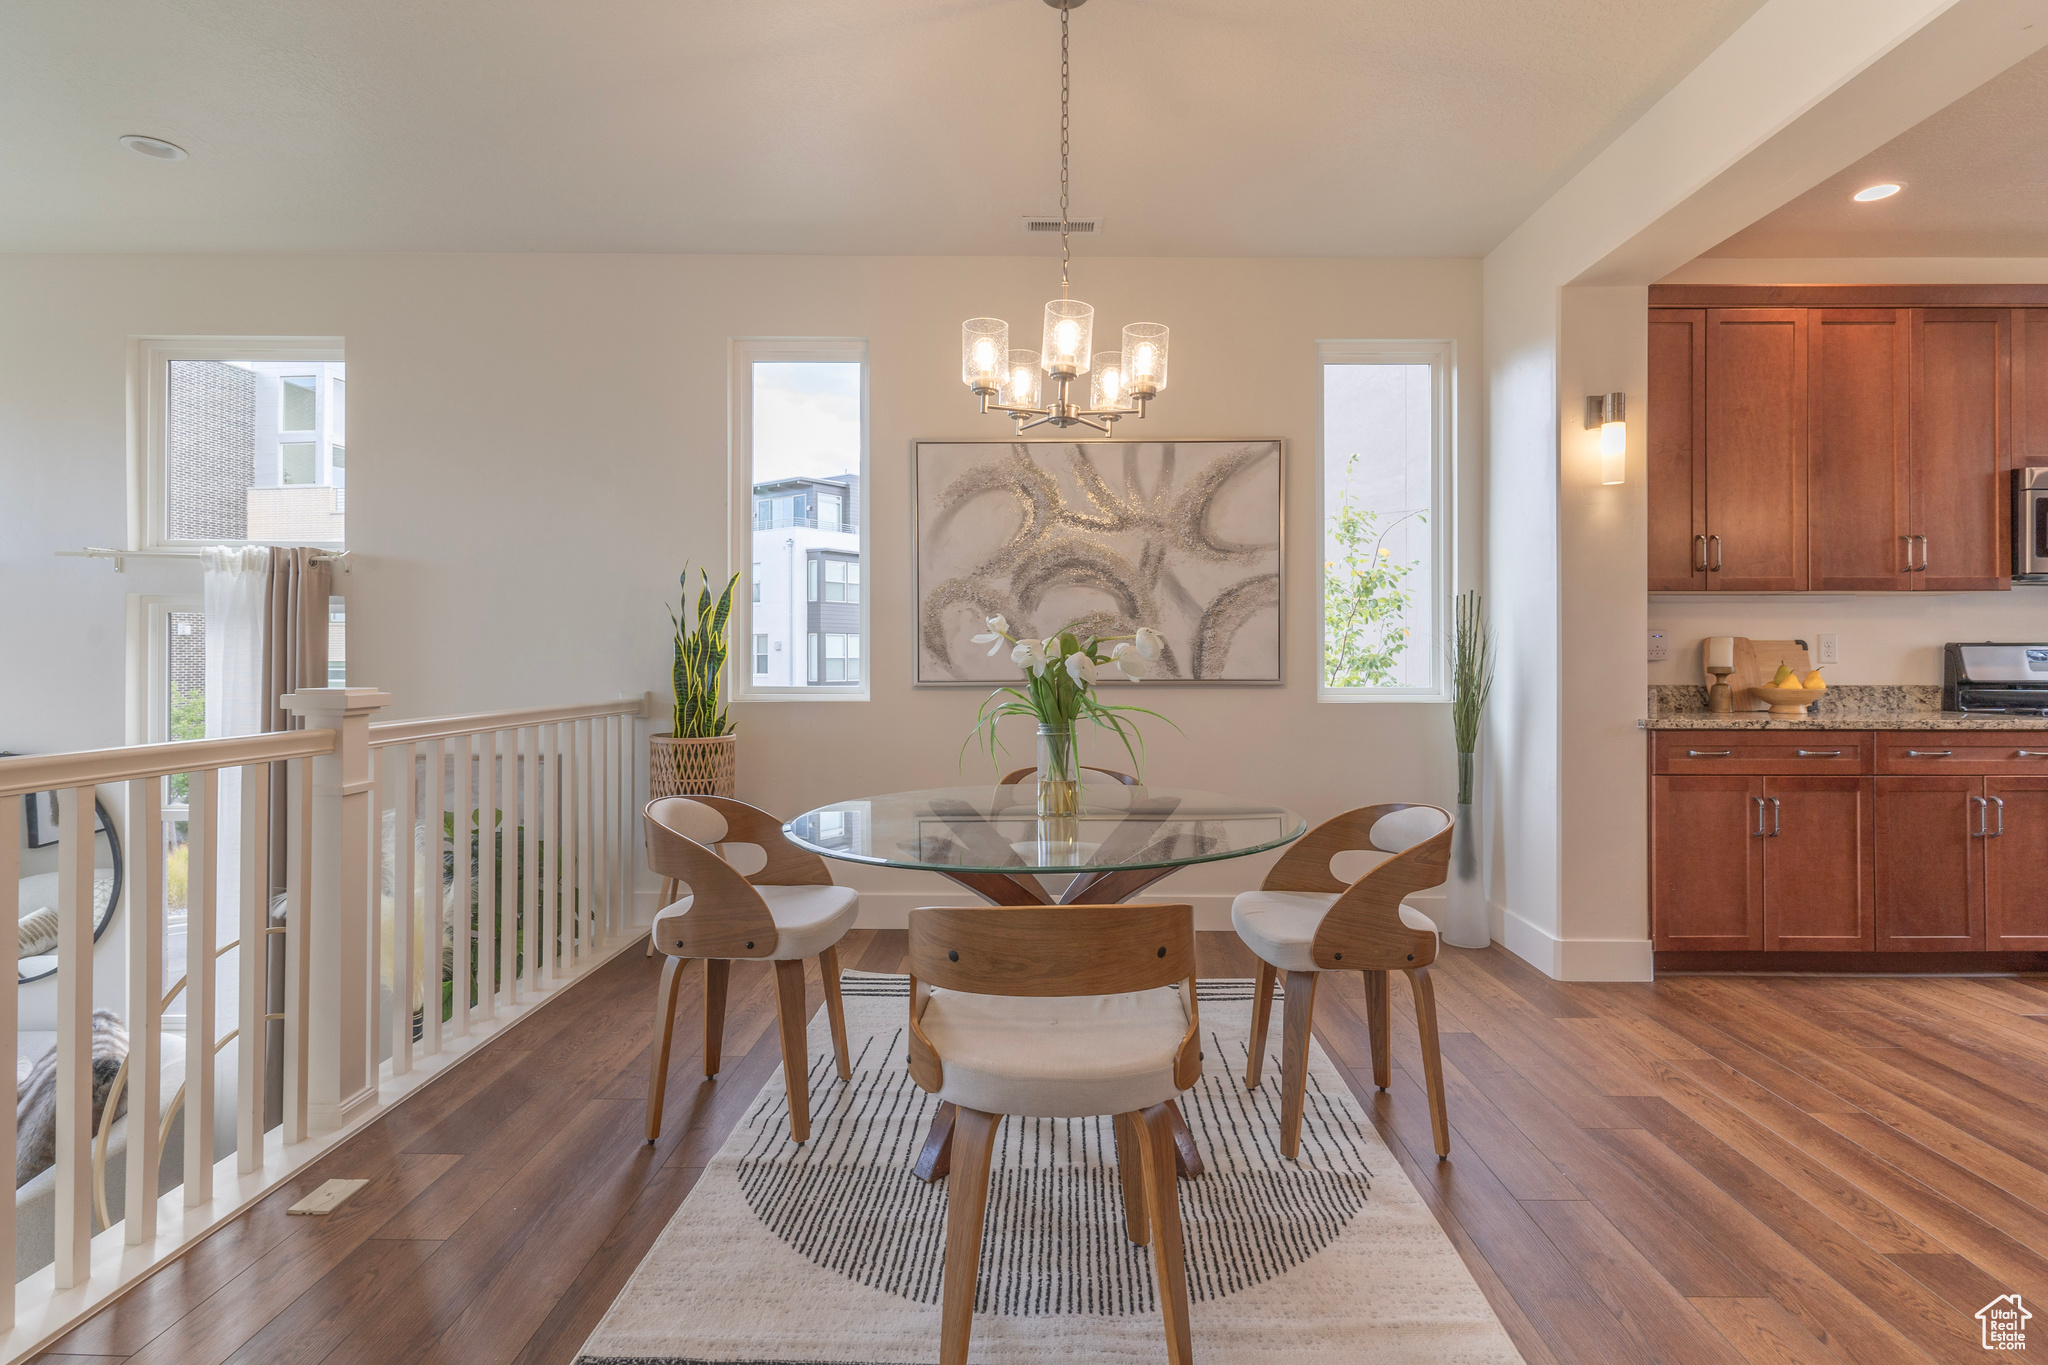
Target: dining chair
1057 1011
785 912
1304 920
1012 779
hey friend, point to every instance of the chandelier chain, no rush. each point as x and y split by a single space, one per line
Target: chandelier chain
1063 150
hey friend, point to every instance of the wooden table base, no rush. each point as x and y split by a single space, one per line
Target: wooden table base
935 1159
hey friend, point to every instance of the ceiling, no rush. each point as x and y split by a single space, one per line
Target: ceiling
1201 127
1975 177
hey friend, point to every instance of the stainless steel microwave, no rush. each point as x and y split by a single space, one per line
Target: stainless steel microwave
2030 525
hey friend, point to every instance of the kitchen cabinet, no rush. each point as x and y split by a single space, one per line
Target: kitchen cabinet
2015 854
1707 863
1838 449
1818 884
1857 449
1930 863
2029 384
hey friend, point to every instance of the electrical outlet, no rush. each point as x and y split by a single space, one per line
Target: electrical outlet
1660 646
1830 649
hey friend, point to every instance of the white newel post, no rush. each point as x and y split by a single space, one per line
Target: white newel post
341 1076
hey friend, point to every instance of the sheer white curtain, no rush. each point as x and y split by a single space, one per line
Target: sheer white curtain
235 702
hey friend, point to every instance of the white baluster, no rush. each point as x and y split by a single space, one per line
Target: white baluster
201 921
405 853
144 1086
530 842
253 1026
379 1007
10 1022
298 909
459 845
435 908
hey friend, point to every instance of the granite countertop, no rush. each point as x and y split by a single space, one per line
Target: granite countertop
1847 707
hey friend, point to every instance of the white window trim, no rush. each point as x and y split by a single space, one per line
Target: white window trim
1442 358
148 403
740 504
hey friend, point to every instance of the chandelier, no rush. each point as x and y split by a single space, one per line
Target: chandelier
1120 383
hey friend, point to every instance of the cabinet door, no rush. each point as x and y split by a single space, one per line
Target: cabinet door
2015 858
1756 449
1677 425
1957 496
1856 449
1930 864
1706 863
2029 386
1818 868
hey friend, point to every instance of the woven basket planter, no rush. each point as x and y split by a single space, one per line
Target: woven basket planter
692 767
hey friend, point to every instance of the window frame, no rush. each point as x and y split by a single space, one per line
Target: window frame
1441 356
149 434
741 512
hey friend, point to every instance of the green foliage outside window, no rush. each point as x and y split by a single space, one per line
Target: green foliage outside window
1364 597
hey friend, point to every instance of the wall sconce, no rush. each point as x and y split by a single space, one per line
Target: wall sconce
1608 413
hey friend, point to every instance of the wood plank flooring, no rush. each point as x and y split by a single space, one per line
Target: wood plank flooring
1780 1171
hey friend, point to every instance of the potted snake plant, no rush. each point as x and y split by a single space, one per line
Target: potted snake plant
699 756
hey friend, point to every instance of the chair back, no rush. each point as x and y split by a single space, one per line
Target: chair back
727 918
1363 929
1013 778
1051 950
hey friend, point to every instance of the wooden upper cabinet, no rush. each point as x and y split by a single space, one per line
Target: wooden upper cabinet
1857 373
1958 499
1677 426
2029 441
1756 403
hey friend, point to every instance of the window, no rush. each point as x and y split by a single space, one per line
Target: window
239 440
1383 493
337 642
800 453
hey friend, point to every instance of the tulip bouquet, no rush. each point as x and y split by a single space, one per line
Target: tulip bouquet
1060 690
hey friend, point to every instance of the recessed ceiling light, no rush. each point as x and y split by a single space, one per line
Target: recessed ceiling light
1876 192
155 148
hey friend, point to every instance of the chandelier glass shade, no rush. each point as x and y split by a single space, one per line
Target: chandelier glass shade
1119 383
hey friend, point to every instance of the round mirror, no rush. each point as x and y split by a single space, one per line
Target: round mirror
43 814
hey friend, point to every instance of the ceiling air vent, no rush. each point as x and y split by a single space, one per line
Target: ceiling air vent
1076 227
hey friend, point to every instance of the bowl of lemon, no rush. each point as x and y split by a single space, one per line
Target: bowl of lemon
1788 694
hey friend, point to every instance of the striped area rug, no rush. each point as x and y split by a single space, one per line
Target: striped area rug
829 1253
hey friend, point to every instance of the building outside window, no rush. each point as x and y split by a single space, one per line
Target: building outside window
801 448
1384 499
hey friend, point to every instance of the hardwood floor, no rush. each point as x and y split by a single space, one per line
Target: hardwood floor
1782 1171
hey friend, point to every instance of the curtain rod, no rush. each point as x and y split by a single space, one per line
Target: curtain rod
101 552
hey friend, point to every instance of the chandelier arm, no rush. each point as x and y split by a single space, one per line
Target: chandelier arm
1064 11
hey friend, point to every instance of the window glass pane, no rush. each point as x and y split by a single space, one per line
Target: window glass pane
1379 597
299 465
337 412
760 653
805 479
853 584
298 402
337 642
184 698
228 474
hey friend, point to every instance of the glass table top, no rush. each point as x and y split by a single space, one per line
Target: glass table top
994 828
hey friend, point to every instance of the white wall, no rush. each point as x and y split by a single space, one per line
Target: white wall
539 442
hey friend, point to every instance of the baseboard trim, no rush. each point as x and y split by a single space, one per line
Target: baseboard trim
1574 959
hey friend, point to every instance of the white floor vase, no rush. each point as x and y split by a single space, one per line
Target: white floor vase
830 1252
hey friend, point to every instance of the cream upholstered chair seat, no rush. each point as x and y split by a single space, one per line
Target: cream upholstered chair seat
808 919
1057 1056
1280 926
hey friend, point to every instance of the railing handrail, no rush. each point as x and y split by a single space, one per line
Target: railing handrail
26 773
484 722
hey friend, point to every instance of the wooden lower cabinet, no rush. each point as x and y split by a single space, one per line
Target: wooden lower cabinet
1930 864
1818 885
2016 865
1707 863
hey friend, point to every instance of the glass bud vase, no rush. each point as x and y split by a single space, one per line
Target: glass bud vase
1059 772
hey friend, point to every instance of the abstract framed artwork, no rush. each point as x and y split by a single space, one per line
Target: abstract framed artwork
1183 536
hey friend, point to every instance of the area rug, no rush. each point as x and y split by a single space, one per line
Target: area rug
829 1253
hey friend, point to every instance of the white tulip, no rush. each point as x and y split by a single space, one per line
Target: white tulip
992 640
1126 657
999 623
1149 642
1081 668
1029 654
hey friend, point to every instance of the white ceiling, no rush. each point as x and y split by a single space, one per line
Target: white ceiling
1201 127
1975 177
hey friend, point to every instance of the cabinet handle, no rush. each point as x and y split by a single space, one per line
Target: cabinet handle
1923 554
1710 753
1999 802
1716 541
1699 544
2031 753
1777 816
1758 832
1930 753
1909 552
1983 807
1818 753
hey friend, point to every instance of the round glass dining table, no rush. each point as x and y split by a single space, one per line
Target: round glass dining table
992 840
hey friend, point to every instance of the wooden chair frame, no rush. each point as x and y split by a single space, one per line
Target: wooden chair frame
1058 950
728 920
1362 932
